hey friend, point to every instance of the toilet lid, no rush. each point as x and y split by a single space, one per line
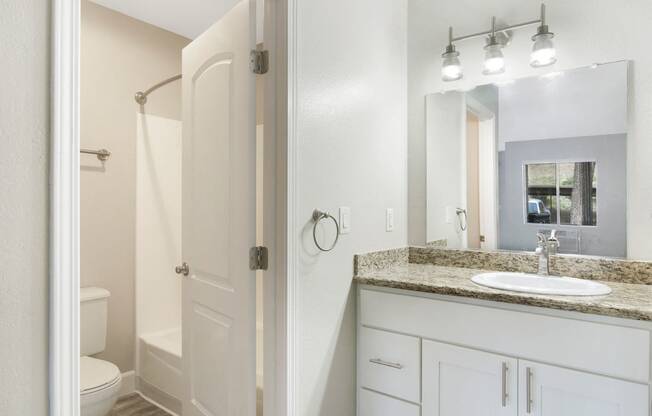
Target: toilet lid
96 374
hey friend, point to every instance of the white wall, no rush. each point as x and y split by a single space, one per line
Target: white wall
24 138
446 167
587 31
348 149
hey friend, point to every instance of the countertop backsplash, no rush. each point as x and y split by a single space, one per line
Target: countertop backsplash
583 267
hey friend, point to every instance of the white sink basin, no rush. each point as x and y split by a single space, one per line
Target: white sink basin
542 285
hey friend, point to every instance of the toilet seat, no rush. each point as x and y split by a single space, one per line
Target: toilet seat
96 375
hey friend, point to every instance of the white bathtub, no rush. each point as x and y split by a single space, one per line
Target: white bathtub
160 367
160 362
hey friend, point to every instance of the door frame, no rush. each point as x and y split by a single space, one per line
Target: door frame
487 133
64 241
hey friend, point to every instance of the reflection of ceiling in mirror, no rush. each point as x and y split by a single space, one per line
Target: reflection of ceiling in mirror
581 102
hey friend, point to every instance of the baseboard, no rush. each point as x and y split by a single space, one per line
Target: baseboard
153 394
128 383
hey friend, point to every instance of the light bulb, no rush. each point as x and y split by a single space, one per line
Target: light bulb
543 50
494 61
451 69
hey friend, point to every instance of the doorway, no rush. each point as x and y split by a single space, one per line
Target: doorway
154 171
481 178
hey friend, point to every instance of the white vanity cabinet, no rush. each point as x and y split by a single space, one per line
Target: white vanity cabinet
430 355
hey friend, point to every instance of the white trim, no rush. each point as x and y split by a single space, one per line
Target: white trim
64 211
463 235
477 108
488 184
128 385
292 250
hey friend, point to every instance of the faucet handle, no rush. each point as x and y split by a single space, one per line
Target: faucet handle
541 240
553 242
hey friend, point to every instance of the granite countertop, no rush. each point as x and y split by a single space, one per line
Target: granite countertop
627 300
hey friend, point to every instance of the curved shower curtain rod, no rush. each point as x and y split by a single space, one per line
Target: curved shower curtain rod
141 96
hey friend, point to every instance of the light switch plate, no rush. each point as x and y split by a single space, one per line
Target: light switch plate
345 220
389 220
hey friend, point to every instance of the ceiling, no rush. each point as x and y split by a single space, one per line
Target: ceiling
187 18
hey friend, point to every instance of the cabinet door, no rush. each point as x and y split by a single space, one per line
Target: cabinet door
376 404
459 381
546 390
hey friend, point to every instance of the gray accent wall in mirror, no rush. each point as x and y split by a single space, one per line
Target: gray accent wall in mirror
507 161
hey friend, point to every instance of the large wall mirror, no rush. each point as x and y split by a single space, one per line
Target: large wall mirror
507 161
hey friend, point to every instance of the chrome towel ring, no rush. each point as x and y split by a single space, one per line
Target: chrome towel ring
317 216
460 212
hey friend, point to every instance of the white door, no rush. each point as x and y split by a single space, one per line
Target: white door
464 382
218 224
555 391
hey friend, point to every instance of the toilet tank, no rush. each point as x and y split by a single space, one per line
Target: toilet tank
92 319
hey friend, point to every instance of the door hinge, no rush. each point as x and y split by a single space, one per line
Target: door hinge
259 61
258 258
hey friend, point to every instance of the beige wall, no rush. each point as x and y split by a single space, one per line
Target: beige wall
119 56
24 145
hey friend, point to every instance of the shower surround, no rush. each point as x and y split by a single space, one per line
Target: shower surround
158 250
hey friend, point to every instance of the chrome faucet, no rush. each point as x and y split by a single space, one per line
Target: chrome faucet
546 247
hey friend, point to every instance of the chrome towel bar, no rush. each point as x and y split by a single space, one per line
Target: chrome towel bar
102 154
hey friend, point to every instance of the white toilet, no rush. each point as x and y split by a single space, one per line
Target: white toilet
99 380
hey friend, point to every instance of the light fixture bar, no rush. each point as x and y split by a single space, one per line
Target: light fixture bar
543 49
498 30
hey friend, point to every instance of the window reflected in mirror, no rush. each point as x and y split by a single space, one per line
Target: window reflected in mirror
541 179
561 193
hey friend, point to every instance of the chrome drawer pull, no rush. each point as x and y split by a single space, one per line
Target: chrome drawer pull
528 390
385 363
504 385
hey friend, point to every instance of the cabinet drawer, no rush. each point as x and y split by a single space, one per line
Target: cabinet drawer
374 404
390 363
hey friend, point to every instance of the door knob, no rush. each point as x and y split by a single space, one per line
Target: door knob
184 269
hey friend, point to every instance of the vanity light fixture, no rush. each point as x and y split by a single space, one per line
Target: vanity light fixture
543 50
494 61
451 69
